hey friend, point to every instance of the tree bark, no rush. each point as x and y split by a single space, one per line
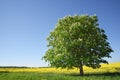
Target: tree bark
81 70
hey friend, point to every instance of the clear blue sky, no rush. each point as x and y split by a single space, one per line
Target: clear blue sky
25 24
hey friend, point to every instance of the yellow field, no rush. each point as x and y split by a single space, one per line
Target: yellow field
112 67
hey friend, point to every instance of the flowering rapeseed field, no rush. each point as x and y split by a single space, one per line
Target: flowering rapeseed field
106 68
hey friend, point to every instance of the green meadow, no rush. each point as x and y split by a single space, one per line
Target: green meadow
54 76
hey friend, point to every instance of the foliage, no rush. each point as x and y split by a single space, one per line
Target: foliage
77 41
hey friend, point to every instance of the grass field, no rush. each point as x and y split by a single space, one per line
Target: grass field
106 72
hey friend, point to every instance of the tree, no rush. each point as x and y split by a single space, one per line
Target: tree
77 41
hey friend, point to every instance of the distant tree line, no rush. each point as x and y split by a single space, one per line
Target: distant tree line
14 67
21 67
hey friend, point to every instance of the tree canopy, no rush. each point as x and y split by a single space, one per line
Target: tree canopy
77 41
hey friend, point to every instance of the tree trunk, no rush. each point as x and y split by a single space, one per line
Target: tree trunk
81 70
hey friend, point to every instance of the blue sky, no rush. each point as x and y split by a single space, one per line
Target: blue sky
25 24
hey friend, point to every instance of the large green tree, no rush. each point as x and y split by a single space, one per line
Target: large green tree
77 41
